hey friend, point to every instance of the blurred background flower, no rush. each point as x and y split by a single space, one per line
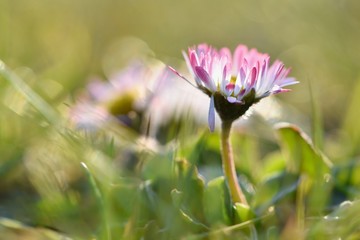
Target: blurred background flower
126 96
143 96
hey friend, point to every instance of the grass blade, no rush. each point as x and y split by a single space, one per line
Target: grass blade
42 106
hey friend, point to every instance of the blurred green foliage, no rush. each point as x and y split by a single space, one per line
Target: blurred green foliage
117 183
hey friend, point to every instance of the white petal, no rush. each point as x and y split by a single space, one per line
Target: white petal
237 85
287 81
231 99
188 64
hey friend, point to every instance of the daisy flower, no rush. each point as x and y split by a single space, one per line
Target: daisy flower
234 81
128 92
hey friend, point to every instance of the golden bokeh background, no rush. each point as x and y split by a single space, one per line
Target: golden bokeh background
66 41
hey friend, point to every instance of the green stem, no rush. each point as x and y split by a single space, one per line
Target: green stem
229 165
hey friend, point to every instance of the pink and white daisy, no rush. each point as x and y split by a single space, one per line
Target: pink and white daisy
128 91
234 82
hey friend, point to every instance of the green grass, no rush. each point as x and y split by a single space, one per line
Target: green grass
100 185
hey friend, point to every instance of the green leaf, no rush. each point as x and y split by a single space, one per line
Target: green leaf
177 197
347 179
277 188
242 212
188 176
217 202
273 163
342 223
204 149
185 214
191 185
300 154
123 197
158 167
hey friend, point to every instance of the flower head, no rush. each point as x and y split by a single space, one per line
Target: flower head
124 96
234 82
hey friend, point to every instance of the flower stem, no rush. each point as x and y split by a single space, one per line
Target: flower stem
229 165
